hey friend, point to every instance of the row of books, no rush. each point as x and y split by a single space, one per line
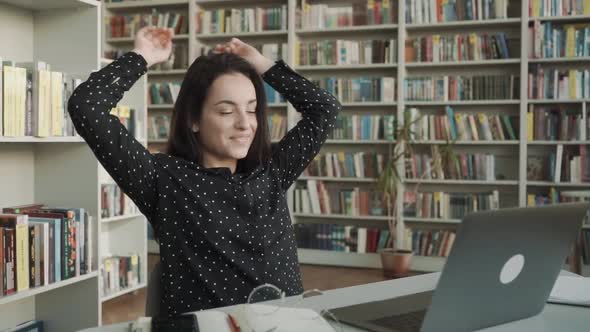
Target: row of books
273 96
163 93
462 126
359 89
33 100
120 272
465 166
42 245
127 25
317 198
462 87
347 165
241 20
345 52
459 47
436 243
445 205
555 123
544 8
567 164
277 126
364 127
552 83
342 238
433 11
114 202
158 126
312 15
547 41
555 197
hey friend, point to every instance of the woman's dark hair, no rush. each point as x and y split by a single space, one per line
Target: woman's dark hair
183 142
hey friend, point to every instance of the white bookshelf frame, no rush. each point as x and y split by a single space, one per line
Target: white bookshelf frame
34 169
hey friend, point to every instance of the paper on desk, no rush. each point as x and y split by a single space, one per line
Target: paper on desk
571 290
286 319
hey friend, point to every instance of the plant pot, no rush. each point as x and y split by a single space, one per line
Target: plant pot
396 262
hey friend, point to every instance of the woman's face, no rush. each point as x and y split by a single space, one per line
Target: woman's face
228 120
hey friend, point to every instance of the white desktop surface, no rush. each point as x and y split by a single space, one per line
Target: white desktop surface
562 318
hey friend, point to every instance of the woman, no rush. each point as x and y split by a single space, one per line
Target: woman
217 199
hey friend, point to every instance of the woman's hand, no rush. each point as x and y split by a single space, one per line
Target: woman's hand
249 53
154 44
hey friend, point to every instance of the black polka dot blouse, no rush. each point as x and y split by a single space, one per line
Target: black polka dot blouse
220 234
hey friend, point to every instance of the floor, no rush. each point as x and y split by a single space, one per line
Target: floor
130 306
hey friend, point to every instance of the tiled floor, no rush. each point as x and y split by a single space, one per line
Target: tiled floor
130 306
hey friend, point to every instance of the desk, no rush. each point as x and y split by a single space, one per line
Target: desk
553 318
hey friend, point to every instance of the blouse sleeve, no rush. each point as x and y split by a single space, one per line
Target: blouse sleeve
130 164
318 109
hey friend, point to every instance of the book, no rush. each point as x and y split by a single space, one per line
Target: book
20 249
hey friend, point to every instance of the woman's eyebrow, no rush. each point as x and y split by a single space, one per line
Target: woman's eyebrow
231 102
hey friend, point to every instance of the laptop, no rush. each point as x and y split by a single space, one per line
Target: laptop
501 268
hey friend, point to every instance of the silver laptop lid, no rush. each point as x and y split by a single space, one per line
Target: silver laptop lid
503 266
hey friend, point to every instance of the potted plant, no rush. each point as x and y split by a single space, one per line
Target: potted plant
396 260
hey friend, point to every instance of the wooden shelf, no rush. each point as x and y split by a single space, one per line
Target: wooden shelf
355 142
347 29
32 139
145 4
470 63
431 220
167 72
562 19
347 67
160 107
127 290
463 182
569 60
558 101
557 184
39 290
157 141
339 217
337 179
273 33
462 102
132 39
368 104
558 142
51 4
492 23
121 218
440 142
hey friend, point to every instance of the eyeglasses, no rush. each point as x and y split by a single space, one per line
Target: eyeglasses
281 314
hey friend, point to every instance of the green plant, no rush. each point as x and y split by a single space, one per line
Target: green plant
390 179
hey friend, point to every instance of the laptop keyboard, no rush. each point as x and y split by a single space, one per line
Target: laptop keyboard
406 322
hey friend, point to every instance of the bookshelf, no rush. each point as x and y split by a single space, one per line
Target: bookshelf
511 182
62 170
56 171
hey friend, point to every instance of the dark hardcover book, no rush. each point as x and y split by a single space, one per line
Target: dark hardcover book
32 262
2 279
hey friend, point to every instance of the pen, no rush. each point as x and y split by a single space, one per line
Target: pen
233 324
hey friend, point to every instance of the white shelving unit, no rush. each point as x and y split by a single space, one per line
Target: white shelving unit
63 171
57 171
513 189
